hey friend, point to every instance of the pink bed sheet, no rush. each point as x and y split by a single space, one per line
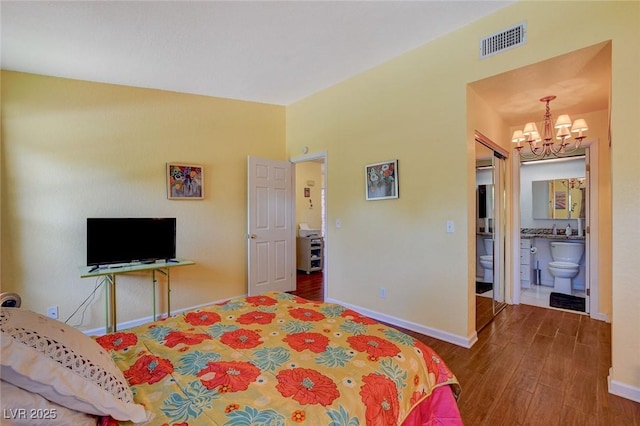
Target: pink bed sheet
440 408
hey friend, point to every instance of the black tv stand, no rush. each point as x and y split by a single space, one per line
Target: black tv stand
172 261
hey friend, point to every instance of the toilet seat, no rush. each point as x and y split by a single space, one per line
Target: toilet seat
563 265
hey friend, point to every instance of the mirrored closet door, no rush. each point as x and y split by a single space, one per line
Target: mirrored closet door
490 230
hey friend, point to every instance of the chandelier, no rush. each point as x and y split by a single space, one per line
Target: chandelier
546 146
573 183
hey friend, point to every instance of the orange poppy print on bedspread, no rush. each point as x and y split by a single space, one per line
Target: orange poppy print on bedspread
276 359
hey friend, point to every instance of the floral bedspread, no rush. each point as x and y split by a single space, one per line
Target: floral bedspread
275 359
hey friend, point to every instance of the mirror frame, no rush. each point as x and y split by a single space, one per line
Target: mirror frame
555 198
499 166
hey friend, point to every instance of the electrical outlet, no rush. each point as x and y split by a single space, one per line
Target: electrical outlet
52 312
383 292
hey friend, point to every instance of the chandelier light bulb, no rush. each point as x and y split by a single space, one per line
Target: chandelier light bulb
563 121
563 133
579 126
518 137
529 128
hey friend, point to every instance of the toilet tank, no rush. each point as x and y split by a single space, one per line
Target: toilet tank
567 252
488 245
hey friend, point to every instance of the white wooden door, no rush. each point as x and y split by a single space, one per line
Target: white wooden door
271 230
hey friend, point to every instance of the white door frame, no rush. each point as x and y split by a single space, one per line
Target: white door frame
591 237
321 155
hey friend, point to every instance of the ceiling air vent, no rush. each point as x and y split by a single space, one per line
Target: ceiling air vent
503 40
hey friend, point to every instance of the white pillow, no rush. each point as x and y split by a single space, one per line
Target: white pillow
20 407
63 365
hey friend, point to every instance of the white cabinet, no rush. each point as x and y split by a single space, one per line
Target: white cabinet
309 254
526 263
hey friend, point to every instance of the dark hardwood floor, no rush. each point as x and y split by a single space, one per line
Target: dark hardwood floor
484 311
309 286
530 366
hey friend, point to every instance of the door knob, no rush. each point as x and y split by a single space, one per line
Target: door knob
253 236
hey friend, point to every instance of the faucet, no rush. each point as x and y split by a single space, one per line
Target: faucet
554 231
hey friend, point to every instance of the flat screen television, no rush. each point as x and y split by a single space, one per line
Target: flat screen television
126 240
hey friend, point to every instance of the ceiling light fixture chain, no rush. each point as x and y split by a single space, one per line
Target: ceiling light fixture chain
549 147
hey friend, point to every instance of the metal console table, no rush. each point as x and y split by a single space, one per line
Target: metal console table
109 273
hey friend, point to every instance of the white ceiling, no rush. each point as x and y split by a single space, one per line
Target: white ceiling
274 52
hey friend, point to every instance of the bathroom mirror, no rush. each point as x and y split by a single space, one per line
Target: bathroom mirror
485 199
559 198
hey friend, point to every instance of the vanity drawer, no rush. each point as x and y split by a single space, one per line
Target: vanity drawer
525 257
526 243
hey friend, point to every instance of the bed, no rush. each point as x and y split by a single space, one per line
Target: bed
274 359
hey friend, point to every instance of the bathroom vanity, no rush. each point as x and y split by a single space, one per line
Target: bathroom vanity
526 263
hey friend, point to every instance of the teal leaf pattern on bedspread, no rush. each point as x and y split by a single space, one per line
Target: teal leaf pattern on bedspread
399 337
353 327
252 417
342 418
395 373
218 330
295 326
332 311
182 407
269 359
194 362
334 357
232 305
159 333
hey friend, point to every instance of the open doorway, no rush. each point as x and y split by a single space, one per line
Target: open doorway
310 224
512 99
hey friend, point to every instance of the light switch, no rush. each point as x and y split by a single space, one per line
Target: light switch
450 227
338 223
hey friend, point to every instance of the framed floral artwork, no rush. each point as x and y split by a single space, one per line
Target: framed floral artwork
381 180
185 181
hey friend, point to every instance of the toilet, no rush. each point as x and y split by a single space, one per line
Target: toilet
565 265
486 261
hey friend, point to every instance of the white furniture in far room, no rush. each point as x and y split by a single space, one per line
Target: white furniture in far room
526 264
309 254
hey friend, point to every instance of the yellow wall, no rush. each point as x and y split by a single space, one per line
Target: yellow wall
414 108
76 149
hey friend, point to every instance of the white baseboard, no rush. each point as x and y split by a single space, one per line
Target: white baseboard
139 321
601 317
623 390
465 342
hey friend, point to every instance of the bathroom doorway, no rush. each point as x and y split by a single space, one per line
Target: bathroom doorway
310 224
554 211
514 96
490 230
